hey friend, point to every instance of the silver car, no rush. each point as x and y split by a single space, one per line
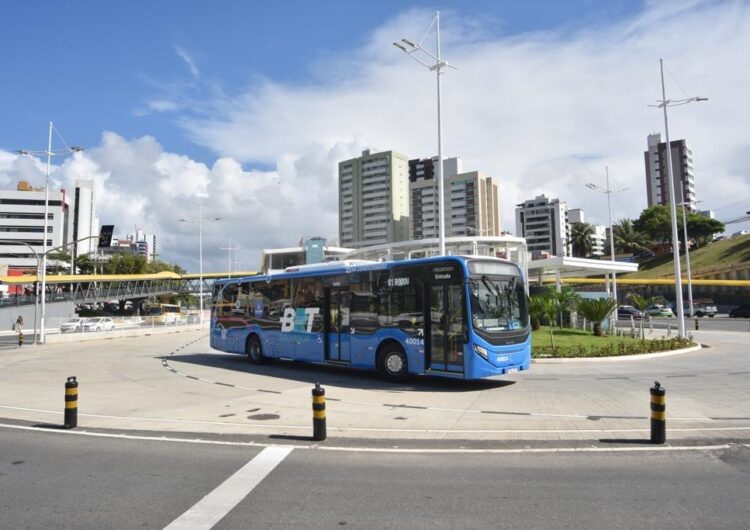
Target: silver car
72 325
99 324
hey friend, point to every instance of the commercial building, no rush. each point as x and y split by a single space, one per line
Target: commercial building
83 223
314 250
657 185
544 224
22 221
471 200
373 199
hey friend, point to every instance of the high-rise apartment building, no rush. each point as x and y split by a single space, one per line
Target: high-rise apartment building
598 235
657 185
373 199
471 202
544 224
83 223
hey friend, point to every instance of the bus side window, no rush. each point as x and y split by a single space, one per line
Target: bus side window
309 294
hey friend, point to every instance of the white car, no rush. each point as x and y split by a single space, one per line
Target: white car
99 324
74 324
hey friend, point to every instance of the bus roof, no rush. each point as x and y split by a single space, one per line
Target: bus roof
351 266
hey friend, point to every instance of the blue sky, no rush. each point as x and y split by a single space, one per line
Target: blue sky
91 66
249 106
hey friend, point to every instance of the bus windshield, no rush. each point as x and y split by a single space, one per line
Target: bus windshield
497 304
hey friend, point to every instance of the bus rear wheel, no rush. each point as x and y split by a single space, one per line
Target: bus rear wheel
254 350
393 364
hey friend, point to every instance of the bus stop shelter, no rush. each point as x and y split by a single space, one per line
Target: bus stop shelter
556 269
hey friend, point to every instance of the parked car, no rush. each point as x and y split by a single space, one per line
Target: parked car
627 311
742 311
658 310
74 324
704 310
99 324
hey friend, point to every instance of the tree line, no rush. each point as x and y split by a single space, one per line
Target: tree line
651 231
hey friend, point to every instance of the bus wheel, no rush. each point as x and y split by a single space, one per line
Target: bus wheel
393 364
254 350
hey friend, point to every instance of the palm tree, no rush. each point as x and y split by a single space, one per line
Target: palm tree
641 303
628 239
581 236
536 311
549 310
596 310
565 299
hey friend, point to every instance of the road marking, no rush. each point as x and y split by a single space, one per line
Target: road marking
383 449
213 507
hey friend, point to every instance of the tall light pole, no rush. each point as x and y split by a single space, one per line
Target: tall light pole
411 49
229 250
200 222
50 153
609 191
663 103
687 249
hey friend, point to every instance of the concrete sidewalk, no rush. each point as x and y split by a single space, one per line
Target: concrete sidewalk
175 383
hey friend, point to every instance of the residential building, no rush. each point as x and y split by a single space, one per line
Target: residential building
544 224
657 185
145 244
373 199
599 235
471 202
83 226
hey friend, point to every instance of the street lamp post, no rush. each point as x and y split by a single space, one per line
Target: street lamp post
50 154
687 250
663 104
200 222
609 191
411 49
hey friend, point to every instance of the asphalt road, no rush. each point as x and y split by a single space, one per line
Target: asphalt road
62 480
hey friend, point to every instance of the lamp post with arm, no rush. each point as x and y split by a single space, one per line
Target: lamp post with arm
663 103
609 191
50 153
411 49
200 222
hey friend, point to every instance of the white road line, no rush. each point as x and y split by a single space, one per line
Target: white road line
214 506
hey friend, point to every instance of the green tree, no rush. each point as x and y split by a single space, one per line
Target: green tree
85 265
58 262
125 264
581 238
548 308
641 303
701 229
596 310
565 300
656 223
161 266
628 239
536 311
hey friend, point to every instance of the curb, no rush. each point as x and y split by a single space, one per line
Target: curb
635 357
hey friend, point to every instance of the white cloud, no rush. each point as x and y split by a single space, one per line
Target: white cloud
182 54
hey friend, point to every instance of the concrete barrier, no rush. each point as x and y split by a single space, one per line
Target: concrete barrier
119 333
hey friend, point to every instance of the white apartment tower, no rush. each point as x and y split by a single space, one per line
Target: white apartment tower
544 224
373 199
657 186
471 203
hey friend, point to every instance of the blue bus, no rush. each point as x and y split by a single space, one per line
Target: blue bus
460 317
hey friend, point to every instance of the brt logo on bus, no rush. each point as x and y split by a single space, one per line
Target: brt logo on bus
299 319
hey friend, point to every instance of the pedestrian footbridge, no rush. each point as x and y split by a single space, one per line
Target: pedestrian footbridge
93 288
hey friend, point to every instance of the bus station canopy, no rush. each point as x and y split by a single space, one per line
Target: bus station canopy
555 268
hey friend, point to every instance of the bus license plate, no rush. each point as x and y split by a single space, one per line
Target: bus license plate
511 370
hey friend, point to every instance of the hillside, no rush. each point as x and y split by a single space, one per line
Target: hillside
714 256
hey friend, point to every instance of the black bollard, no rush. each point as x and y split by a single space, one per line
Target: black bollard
658 414
20 337
697 327
319 413
71 403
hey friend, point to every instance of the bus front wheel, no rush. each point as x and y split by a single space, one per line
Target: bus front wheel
393 364
254 350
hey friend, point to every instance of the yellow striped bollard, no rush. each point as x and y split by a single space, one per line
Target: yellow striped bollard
319 413
71 403
658 414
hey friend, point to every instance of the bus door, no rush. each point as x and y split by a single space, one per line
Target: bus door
445 322
338 331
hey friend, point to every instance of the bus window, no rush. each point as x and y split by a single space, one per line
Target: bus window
274 297
401 299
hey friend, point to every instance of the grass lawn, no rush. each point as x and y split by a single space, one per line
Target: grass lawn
578 343
718 254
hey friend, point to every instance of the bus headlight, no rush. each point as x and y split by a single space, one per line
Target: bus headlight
482 352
